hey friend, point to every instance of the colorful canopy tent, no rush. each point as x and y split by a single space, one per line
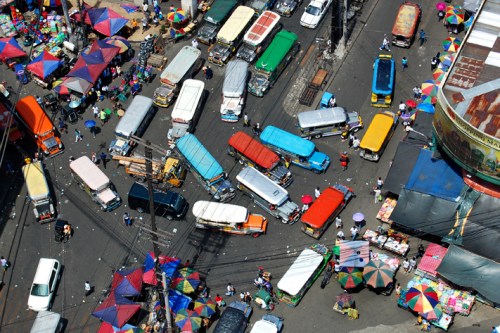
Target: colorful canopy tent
177 300
108 51
76 84
205 307
122 44
44 65
422 298
89 67
108 22
149 275
354 254
9 48
108 328
116 310
186 280
188 321
169 265
128 282
57 86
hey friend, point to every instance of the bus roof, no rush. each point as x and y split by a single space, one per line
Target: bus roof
322 117
254 150
199 157
219 10
261 28
377 131
89 173
300 272
323 207
33 115
383 75
262 186
35 181
279 47
180 65
235 78
220 212
406 20
235 24
188 99
134 116
287 141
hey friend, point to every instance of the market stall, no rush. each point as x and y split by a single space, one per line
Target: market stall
392 262
375 238
431 260
385 211
397 243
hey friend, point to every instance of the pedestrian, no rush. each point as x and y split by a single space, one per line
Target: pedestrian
338 222
118 70
242 296
248 297
155 20
67 231
62 126
78 136
317 192
380 183
420 251
422 37
351 140
5 263
354 232
95 109
434 63
94 157
416 94
385 44
377 195
194 43
127 220
256 129
103 116
440 15
305 207
144 25
105 90
209 73
219 301
103 157
39 100
336 267
340 234
398 289
402 107
88 289
438 56
356 143
404 63
145 6
344 160
246 120
413 264
406 265
230 290
134 25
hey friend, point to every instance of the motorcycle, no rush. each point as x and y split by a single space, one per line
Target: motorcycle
327 277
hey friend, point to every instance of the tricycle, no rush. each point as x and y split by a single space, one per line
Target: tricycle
265 300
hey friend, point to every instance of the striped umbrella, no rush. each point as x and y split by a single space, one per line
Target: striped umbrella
188 320
350 277
425 107
434 314
438 75
451 44
429 88
422 298
428 99
186 280
455 18
176 16
204 307
378 274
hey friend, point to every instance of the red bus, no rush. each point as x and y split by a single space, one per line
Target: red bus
325 209
253 153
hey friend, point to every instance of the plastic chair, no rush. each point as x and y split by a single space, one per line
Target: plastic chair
122 97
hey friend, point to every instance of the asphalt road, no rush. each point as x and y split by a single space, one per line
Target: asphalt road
102 243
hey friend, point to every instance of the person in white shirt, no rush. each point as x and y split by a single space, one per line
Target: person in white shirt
340 234
317 192
145 6
194 43
354 232
402 107
356 143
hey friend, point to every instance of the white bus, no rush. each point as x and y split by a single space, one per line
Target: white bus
268 195
187 109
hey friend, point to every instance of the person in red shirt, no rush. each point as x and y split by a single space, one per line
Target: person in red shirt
220 302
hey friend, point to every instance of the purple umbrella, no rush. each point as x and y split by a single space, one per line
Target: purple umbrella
358 217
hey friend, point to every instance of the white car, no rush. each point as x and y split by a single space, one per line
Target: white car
314 12
44 284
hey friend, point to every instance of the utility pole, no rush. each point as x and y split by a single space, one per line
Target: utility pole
167 304
66 16
148 152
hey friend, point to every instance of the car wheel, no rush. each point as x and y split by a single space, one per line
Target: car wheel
317 136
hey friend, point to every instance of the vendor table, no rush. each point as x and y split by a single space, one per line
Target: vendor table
385 211
392 262
374 238
397 243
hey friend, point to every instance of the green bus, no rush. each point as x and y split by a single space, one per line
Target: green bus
272 63
214 19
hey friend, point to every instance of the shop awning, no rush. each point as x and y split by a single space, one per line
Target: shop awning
469 270
354 254
401 168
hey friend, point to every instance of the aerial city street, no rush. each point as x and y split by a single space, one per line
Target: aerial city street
249 166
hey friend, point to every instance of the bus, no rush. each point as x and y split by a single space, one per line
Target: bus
295 149
230 35
228 218
187 109
302 274
327 122
40 126
135 121
268 195
383 81
325 209
251 152
378 135
213 20
205 168
259 36
39 192
273 62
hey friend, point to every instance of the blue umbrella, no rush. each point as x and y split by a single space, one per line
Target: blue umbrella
89 123
426 107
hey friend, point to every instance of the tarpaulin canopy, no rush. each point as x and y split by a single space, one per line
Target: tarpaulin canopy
422 124
116 310
177 300
122 44
169 265
44 65
108 51
469 270
354 254
77 84
89 67
9 48
108 22
435 177
400 171
432 258
127 282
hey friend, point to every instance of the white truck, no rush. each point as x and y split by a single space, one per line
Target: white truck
39 192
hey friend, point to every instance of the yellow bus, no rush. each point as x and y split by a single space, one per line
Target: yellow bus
378 135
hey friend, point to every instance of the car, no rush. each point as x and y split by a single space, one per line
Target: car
314 12
268 324
44 284
234 319
287 7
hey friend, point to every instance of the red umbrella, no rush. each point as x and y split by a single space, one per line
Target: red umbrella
411 103
128 282
109 22
108 51
307 199
9 48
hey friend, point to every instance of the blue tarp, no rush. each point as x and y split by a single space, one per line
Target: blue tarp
435 177
177 300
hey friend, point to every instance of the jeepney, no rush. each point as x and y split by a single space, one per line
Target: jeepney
378 135
213 20
383 81
234 90
405 25
39 192
327 122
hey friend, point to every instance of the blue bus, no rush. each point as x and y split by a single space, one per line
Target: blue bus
205 168
383 81
295 149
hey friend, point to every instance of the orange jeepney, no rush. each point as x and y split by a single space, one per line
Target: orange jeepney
405 25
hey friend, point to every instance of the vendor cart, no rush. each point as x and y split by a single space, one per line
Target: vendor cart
345 304
264 299
157 60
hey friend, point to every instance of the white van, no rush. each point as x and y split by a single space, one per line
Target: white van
47 322
44 284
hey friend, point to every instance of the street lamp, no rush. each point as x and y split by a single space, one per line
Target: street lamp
408 128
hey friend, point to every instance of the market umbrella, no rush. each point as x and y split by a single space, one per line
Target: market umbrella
411 103
131 330
109 22
88 67
44 65
468 23
429 88
358 217
169 265
307 199
455 18
188 320
107 50
451 44
204 307
434 314
446 60
59 88
149 274
108 328
438 75
378 274
116 310
421 298
429 99
344 300
440 6
51 3
122 46
176 16
350 277
186 280
126 282
77 84
9 48
426 107
454 9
